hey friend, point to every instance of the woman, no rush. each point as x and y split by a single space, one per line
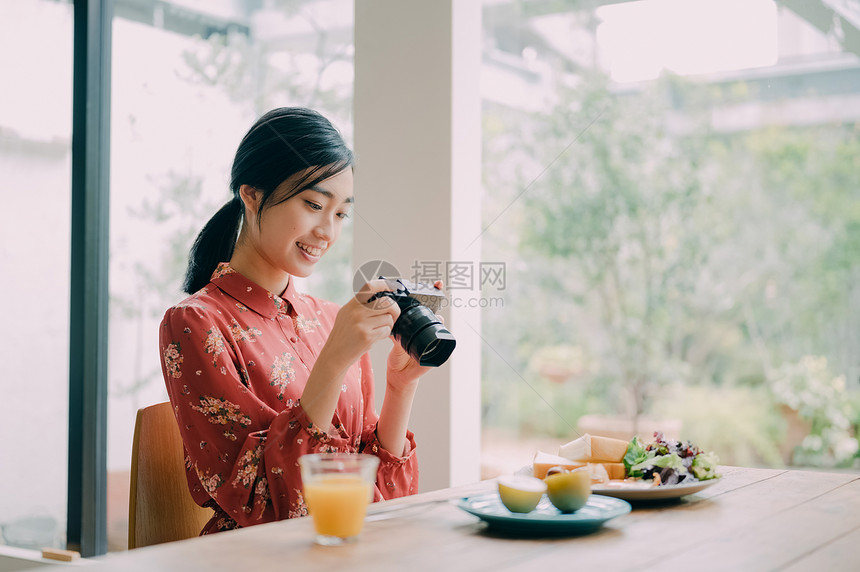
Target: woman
259 374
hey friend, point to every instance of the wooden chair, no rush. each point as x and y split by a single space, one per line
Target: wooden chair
160 507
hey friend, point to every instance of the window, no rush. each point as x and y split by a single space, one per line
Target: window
35 159
677 213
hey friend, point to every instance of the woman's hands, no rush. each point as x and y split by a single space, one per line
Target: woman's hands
360 324
357 327
402 369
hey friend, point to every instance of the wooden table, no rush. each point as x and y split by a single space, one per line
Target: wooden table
752 519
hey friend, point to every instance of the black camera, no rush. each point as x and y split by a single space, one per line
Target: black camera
418 329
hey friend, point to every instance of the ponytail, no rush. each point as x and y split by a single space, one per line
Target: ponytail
213 245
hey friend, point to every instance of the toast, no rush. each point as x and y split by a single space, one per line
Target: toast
545 461
594 449
605 472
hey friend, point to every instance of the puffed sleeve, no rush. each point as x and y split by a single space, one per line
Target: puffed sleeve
397 475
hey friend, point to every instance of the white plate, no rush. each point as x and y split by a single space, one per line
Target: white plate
664 492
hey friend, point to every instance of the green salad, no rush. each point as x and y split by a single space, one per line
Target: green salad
671 461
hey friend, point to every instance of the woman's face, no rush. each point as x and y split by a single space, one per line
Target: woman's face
293 235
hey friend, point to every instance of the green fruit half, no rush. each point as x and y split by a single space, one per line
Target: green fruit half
569 491
520 493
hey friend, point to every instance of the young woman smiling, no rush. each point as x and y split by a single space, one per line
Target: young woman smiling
259 374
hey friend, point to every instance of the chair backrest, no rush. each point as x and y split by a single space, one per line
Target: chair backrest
160 507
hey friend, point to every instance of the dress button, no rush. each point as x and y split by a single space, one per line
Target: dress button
294 339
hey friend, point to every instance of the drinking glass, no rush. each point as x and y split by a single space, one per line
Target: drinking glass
337 489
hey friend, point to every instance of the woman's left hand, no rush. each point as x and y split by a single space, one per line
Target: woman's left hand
403 371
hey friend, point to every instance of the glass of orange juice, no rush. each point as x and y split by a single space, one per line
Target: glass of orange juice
337 489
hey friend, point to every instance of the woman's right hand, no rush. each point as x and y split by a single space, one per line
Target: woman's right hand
360 323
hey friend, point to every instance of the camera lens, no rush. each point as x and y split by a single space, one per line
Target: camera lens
435 344
423 336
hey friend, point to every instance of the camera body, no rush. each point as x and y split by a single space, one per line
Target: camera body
424 294
418 329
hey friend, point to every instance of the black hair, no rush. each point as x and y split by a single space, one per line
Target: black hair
282 143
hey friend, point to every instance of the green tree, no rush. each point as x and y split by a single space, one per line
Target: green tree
625 210
676 256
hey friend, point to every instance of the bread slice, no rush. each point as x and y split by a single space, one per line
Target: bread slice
598 473
616 471
594 449
545 461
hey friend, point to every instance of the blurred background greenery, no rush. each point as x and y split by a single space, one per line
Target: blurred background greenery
667 269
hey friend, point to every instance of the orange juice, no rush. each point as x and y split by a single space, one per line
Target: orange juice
338 504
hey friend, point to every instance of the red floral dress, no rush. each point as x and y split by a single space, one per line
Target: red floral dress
235 359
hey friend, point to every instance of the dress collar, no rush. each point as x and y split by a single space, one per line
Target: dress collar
254 296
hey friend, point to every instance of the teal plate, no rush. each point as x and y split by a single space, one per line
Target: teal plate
545 519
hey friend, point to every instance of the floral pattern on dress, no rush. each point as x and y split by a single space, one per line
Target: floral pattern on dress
261 496
221 411
304 324
191 303
226 523
280 303
249 463
262 489
299 508
172 360
211 483
282 373
223 269
214 345
316 433
249 334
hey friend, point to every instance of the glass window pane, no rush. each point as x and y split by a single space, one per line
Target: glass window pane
35 159
678 215
180 108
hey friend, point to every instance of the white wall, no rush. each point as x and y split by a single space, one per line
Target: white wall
417 138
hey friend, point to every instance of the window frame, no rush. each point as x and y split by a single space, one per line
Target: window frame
86 520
